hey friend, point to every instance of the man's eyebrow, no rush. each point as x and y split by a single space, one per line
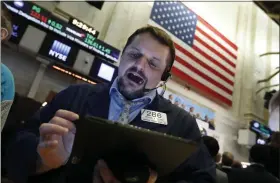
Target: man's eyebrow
156 58
135 48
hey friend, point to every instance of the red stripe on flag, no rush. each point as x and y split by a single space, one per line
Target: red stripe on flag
203 75
216 42
200 86
217 32
195 59
214 51
212 60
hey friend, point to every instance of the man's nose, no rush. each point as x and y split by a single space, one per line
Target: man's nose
141 63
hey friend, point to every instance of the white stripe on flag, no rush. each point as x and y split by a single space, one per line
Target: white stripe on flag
214 46
201 80
202 69
214 56
217 38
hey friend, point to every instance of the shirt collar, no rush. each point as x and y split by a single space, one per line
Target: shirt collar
149 96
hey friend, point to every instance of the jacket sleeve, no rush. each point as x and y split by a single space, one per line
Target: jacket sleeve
21 154
199 167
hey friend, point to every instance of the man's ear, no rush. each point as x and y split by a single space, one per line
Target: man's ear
4 33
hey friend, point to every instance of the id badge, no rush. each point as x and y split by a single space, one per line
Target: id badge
154 117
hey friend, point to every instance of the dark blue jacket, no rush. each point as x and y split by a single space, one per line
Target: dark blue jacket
95 100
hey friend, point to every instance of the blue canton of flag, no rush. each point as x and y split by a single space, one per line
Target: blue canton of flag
177 19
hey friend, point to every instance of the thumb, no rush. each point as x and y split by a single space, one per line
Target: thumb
45 148
47 145
96 175
153 176
106 173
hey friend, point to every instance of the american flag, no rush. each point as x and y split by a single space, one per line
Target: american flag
205 59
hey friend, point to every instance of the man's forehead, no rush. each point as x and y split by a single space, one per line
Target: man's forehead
148 40
148 44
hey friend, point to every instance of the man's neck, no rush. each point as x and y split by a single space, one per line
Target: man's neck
151 94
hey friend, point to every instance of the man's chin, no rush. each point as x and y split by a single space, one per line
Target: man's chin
130 91
131 94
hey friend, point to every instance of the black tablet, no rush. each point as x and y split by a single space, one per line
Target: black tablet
96 137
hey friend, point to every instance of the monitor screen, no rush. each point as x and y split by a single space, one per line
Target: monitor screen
106 72
19 26
78 32
260 129
261 141
102 70
59 49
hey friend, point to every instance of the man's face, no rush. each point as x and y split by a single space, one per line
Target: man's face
170 97
191 109
142 65
4 33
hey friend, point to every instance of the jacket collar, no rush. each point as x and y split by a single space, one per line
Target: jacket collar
101 97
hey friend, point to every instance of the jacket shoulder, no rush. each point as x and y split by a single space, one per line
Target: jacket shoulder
84 90
89 87
184 122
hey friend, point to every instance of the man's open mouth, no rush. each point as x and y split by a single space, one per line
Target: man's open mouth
135 78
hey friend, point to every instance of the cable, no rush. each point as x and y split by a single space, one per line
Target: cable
161 94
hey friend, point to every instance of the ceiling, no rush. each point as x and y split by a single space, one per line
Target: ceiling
271 8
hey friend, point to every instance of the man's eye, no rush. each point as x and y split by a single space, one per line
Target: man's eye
152 64
134 55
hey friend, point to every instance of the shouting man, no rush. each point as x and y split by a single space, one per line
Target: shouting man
145 62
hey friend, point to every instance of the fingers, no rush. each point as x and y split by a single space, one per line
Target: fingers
68 115
153 176
96 175
63 123
105 173
60 124
51 129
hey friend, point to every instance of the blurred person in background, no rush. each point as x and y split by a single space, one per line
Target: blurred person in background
273 108
206 119
183 106
213 147
192 111
7 79
275 140
212 125
198 116
21 110
227 160
177 102
236 164
256 172
170 98
273 164
218 158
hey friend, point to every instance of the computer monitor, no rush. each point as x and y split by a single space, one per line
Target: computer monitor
103 70
59 49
